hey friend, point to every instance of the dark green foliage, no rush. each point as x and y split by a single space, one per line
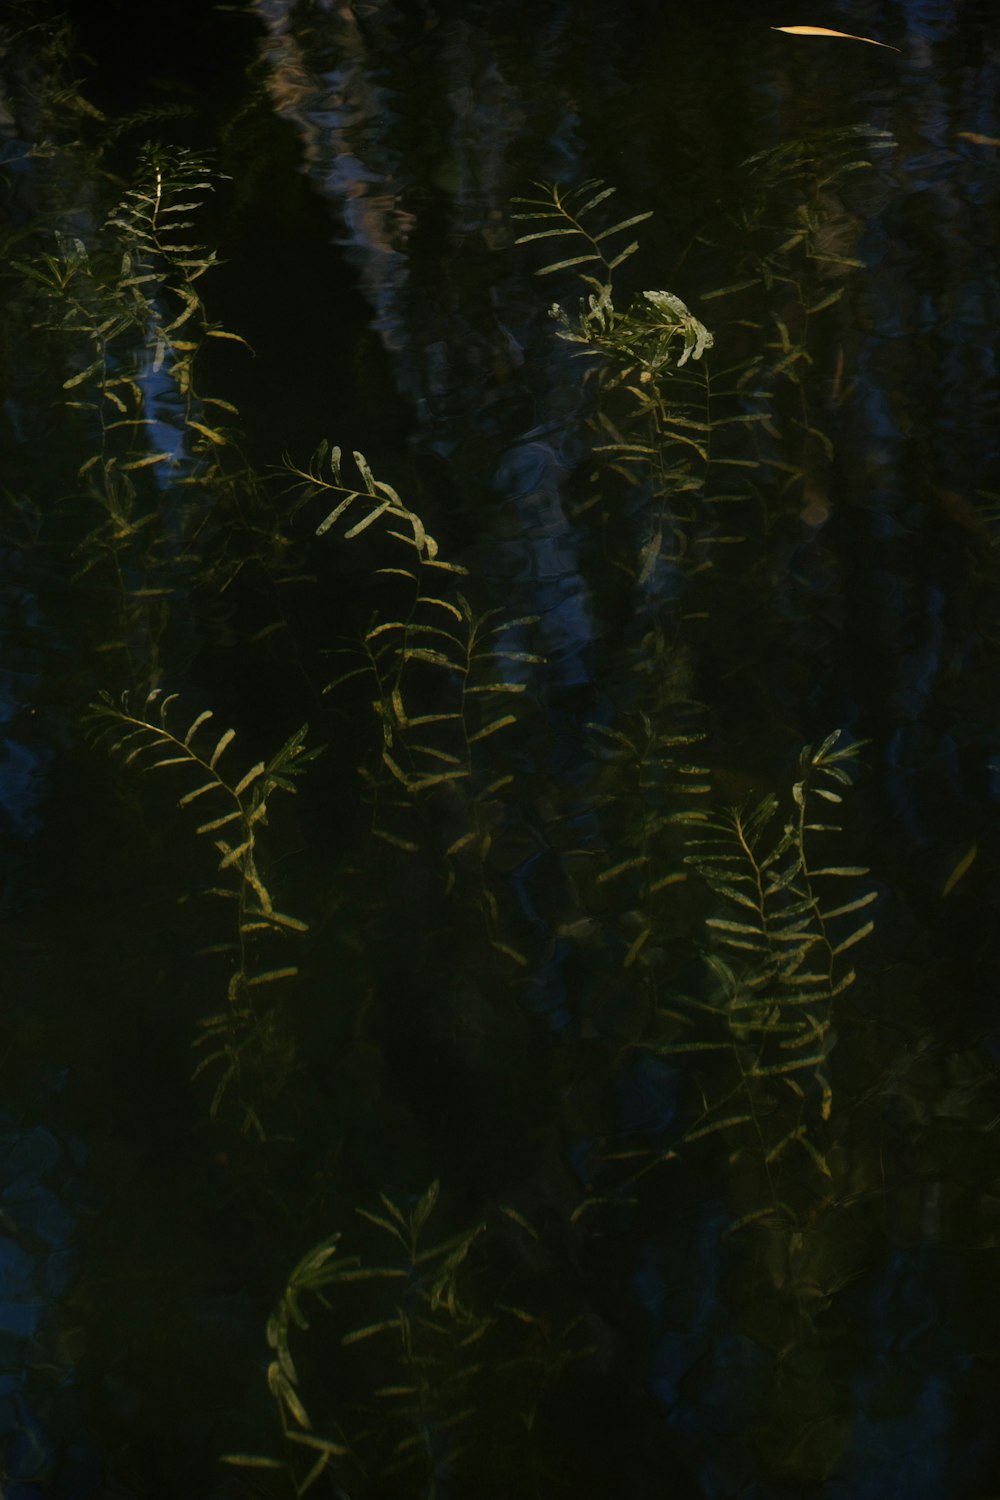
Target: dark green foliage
133 310
792 241
649 792
424 1386
425 1369
179 507
755 1046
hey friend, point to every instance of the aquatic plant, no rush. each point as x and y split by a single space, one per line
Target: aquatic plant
446 679
693 442
744 1098
791 240
648 795
140 280
778 944
651 423
751 1048
244 1039
754 1049
435 1373
122 307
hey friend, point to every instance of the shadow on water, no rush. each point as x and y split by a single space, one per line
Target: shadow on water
594 1047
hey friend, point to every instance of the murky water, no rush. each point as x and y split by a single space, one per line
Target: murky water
594 1061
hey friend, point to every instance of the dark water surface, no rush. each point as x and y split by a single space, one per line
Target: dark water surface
596 1058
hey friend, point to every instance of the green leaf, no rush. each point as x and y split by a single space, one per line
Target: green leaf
346 676
841 911
282 1387
509 952
964 864
441 778
722 925
637 861
436 754
336 513
363 525
818 755
440 603
248 779
521 1221
777 1069
281 919
623 224
314 1259
462 843
636 947
232 856
383 1224
75 380
396 841
492 727
251 1461
733 894
211 433
365 471
826 302
434 658
425 1206
607 192
855 937
209 786
564 265
726 291
369 1331
225 740
230 817
544 234
145 463
729 1122
310 1440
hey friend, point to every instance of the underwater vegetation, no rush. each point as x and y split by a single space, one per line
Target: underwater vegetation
590 937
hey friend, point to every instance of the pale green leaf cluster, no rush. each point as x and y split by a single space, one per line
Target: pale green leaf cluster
652 421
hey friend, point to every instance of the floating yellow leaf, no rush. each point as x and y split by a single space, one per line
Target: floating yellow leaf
977 139
826 31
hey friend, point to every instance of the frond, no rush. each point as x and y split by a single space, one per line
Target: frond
562 213
775 946
244 1041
